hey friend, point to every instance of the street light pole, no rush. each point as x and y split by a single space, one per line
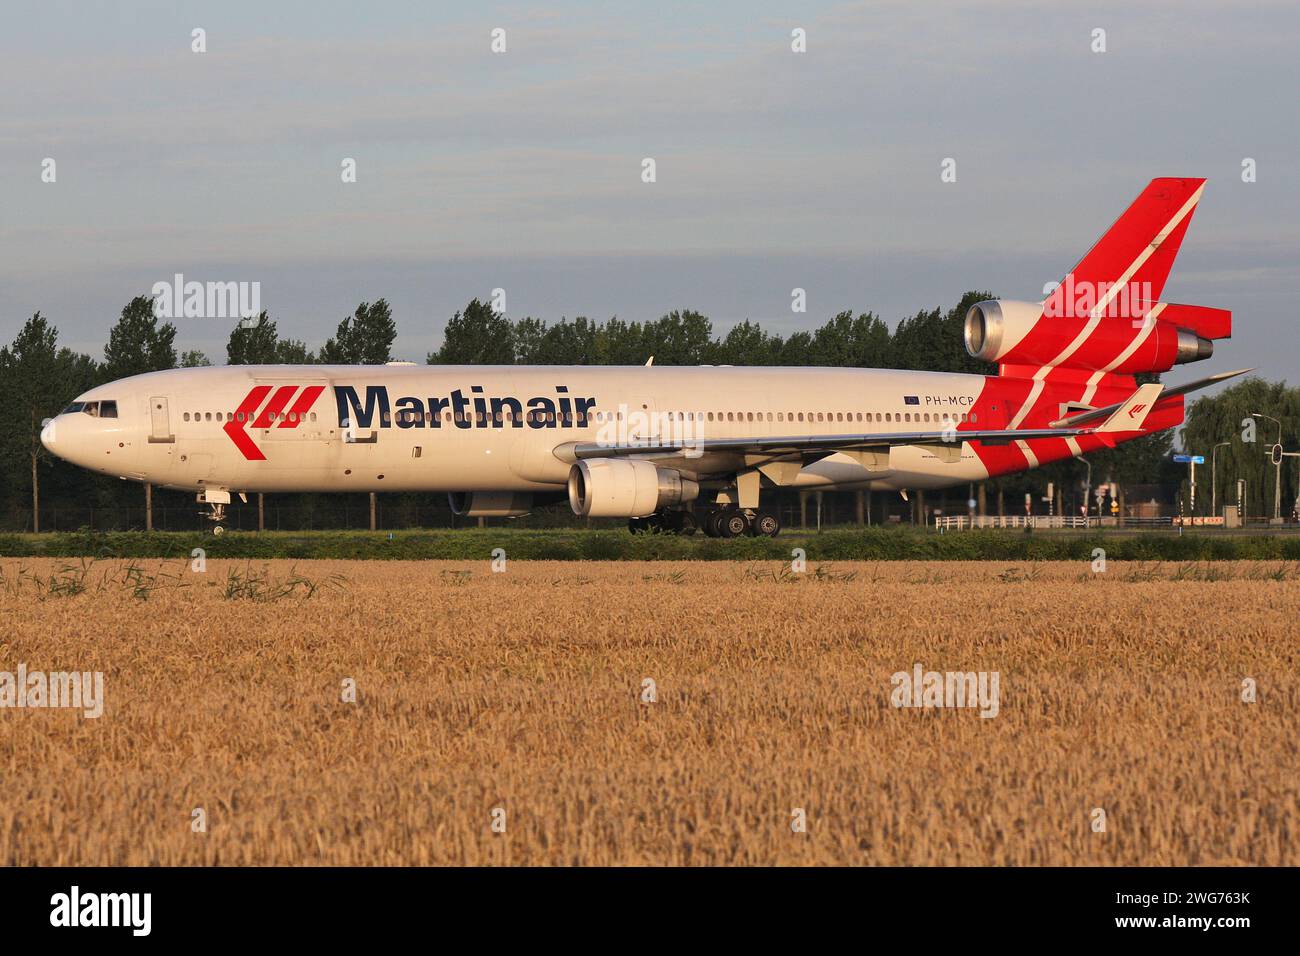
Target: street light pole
1214 477
1277 487
1087 492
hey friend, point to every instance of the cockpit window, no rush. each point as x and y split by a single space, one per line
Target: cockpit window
93 409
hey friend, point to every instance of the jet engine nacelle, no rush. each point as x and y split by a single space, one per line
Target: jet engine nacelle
624 488
1018 333
490 504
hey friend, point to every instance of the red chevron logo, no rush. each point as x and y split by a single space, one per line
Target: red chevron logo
253 414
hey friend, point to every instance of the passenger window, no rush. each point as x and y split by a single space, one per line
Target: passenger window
186 416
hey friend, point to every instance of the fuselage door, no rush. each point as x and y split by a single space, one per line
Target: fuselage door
161 430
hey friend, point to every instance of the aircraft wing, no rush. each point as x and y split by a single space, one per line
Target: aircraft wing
817 444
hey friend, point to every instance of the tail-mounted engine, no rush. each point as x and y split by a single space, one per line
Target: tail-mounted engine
1143 337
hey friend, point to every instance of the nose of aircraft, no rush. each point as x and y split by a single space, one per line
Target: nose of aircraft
48 429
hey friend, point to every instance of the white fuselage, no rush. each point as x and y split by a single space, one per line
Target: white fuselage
498 428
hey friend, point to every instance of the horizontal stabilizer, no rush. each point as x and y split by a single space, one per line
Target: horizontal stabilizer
1080 419
1206 322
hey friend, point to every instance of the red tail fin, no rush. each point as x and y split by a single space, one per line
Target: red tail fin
1135 255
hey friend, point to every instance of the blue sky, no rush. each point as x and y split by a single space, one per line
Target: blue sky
522 170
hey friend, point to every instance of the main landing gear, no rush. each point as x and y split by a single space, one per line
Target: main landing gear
732 522
728 522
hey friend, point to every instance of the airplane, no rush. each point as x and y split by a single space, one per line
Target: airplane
658 445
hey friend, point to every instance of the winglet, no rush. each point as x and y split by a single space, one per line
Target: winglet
1130 416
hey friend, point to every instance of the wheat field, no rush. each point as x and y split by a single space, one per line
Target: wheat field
503 718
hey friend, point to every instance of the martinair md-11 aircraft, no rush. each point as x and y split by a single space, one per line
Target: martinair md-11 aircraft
650 444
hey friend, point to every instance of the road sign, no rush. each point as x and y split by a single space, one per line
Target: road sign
1189 459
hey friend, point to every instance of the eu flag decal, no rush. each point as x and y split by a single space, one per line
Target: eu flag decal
911 400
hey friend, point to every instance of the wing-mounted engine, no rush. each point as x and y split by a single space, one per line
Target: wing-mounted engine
626 488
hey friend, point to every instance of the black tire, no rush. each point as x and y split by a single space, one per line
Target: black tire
686 524
733 523
711 524
766 523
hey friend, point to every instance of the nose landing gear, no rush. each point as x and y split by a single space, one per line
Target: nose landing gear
216 502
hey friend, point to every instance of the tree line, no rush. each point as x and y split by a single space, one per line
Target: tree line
38 378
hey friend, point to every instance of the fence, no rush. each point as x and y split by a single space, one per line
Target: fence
965 522
944 523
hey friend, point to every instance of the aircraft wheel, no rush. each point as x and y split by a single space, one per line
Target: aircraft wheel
218 530
686 524
711 524
766 523
733 523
